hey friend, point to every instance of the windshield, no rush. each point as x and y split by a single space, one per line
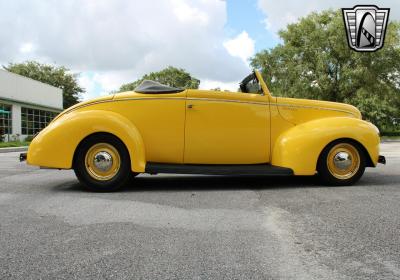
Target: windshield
250 84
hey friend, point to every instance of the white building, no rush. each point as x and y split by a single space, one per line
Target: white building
26 105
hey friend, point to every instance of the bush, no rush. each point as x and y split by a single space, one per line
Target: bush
29 138
390 133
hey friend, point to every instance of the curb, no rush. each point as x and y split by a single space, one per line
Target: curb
13 149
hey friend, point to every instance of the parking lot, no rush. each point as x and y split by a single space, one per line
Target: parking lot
199 227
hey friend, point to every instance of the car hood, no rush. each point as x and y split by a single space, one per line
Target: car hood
302 110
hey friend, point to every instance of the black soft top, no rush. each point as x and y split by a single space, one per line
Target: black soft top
148 86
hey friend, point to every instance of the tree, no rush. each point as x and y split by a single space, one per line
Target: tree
216 89
314 61
170 76
56 76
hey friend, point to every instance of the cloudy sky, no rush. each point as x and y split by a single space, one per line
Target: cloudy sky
111 42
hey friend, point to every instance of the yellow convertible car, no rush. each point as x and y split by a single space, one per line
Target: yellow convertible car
161 129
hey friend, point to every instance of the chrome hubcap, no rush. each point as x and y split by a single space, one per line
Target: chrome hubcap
103 161
342 160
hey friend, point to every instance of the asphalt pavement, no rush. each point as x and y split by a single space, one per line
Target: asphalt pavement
199 227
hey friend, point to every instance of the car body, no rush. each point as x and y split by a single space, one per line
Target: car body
207 132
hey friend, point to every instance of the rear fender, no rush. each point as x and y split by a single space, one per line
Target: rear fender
55 145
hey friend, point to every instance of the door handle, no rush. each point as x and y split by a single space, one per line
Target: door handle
190 106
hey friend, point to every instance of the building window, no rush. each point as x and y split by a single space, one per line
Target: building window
5 119
34 120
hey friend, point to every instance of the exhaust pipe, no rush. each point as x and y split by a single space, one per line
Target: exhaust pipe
382 159
22 157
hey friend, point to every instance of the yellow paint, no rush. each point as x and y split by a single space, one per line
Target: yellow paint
55 145
160 120
218 128
300 146
298 111
226 128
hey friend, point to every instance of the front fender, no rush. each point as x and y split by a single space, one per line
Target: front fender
55 145
299 147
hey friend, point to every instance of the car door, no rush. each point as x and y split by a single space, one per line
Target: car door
226 128
160 120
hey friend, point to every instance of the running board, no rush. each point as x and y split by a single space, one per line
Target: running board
218 169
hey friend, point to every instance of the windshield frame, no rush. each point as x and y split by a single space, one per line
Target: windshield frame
251 77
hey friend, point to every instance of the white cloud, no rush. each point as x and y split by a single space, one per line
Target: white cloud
117 41
86 82
241 46
280 13
26 48
105 35
103 82
111 81
186 13
209 84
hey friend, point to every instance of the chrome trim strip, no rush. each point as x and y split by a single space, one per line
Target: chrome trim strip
314 107
194 99
149 98
123 99
215 100
169 98
228 100
85 105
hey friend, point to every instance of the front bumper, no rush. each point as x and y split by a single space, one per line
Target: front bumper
382 159
22 156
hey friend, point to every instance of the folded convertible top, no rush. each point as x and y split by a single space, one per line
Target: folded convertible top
148 86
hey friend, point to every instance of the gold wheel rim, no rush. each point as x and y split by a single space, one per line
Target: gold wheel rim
343 161
102 161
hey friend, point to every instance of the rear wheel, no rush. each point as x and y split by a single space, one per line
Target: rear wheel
102 163
341 163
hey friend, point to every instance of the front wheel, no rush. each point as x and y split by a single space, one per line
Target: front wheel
102 163
341 163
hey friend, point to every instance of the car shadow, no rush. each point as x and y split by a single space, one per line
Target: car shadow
187 183
207 183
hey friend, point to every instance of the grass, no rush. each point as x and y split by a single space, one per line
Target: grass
390 135
390 138
13 144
